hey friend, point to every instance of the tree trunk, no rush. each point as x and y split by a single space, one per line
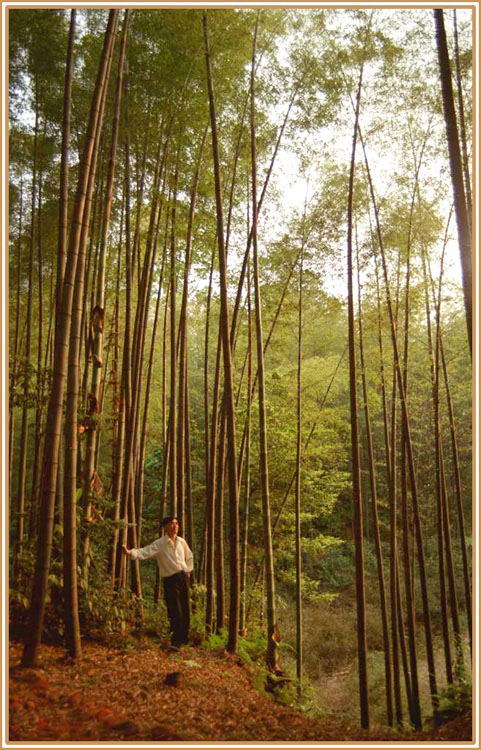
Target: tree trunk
173 357
97 315
240 284
206 406
298 481
219 526
415 708
356 475
183 345
92 254
272 655
211 490
64 166
140 481
54 417
397 625
133 368
245 527
140 193
410 457
375 518
462 125
117 408
455 163
434 371
22 466
444 505
71 613
189 507
117 558
293 477
40 374
13 381
228 375
459 498
266 345
165 432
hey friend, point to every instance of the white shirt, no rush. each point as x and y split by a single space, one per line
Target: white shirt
172 557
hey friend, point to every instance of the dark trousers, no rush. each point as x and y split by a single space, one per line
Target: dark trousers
176 597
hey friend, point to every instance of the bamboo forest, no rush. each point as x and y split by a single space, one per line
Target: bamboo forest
240 345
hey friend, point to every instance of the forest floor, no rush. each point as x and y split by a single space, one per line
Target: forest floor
112 695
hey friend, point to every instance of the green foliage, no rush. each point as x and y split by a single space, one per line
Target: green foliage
197 616
310 589
18 604
112 616
259 677
311 56
283 688
252 648
37 43
29 378
104 611
455 699
155 623
153 474
216 641
20 591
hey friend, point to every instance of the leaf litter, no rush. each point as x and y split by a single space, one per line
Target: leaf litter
111 695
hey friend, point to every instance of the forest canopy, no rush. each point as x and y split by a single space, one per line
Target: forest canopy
240 294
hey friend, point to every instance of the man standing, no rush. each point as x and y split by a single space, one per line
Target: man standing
175 561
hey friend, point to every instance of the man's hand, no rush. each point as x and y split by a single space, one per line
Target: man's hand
126 551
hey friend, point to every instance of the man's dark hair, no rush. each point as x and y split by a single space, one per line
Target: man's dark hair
167 520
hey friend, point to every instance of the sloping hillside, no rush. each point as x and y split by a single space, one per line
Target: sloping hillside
112 695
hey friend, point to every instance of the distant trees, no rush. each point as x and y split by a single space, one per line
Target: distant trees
156 284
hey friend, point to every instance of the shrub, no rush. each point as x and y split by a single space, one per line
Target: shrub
197 619
337 569
156 622
215 641
252 648
455 699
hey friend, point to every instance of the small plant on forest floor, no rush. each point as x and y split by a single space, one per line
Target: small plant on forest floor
215 641
302 697
252 648
286 690
155 623
455 699
197 617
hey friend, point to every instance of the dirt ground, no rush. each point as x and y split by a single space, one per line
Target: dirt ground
194 695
